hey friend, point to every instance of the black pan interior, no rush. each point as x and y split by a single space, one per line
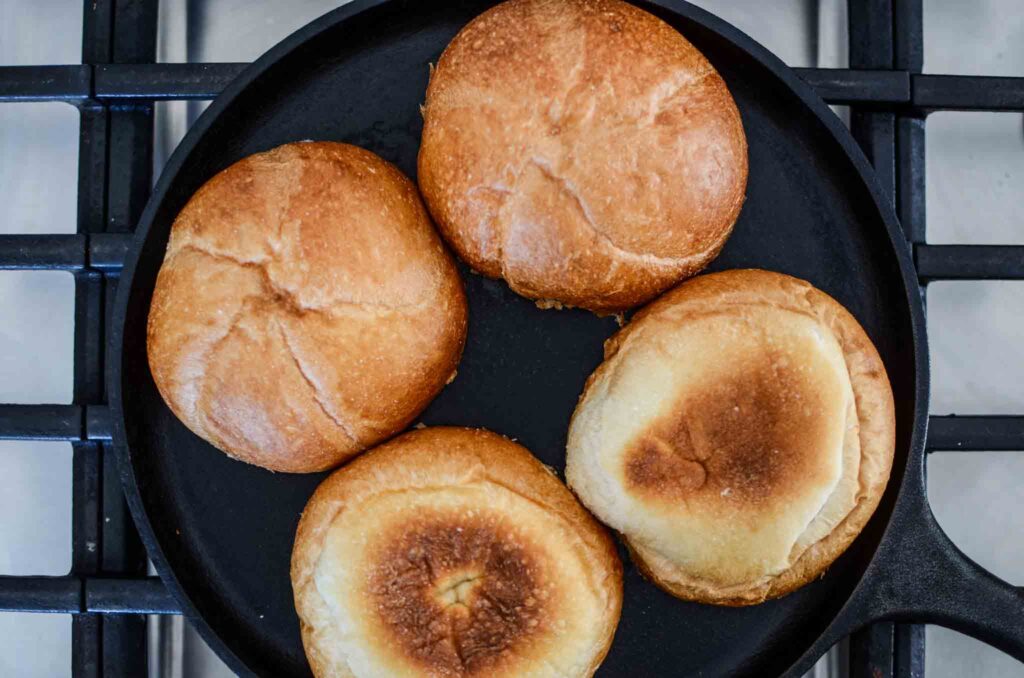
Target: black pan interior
223 530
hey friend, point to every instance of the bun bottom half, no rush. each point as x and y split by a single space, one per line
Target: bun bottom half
452 552
739 435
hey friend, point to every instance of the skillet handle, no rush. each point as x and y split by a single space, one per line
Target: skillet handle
921 576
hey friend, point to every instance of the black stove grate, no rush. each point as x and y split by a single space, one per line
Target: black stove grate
107 590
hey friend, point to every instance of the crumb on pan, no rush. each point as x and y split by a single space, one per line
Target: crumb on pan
419 425
545 304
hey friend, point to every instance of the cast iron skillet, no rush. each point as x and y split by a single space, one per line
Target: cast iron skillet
220 532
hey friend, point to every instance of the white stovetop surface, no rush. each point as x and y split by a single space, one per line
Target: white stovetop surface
975 177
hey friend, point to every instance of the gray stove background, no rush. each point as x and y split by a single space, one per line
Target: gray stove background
975 179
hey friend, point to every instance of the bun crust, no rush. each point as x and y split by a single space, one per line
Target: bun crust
452 552
306 308
764 440
583 150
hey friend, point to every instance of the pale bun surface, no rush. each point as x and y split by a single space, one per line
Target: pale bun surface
739 434
583 150
452 552
306 308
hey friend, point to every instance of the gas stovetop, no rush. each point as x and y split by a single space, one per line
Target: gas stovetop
146 72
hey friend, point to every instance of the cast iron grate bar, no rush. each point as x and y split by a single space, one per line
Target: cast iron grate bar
910 176
144 595
967 93
908 659
908 640
995 433
206 80
46 83
104 540
183 81
889 88
157 82
872 649
908 35
852 86
72 252
50 252
970 262
42 422
81 595
71 423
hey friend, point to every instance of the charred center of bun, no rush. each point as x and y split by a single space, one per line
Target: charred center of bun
459 592
750 436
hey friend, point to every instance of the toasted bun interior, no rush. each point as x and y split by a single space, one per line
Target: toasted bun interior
452 552
739 434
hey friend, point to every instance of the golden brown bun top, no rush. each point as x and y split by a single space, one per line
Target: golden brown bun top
305 309
582 149
739 433
452 552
